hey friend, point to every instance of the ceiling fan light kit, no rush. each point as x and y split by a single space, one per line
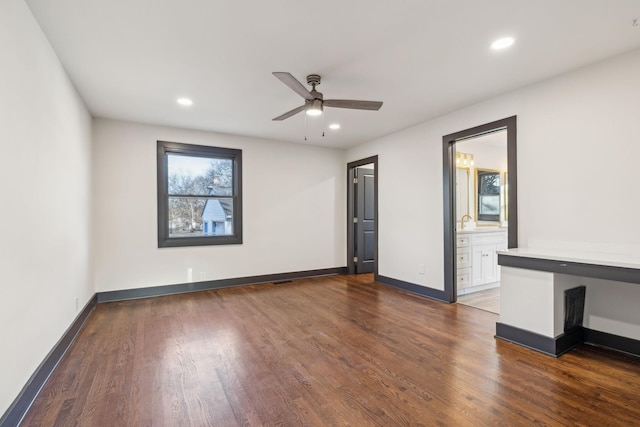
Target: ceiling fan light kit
314 108
314 100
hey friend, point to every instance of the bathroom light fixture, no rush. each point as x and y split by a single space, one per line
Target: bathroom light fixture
334 126
464 159
314 108
184 101
502 43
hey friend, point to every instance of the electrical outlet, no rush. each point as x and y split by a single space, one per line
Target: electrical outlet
420 268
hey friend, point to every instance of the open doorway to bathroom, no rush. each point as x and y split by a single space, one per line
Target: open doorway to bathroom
480 210
481 218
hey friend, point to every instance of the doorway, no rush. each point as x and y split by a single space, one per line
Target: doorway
481 218
362 214
451 214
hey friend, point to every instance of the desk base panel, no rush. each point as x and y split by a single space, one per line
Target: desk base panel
562 344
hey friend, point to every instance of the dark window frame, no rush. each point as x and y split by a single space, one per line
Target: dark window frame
481 192
165 148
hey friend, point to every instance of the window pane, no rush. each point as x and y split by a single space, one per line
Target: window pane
194 217
489 183
489 205
199 176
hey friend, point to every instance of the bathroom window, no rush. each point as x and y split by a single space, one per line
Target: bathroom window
199 195
488 195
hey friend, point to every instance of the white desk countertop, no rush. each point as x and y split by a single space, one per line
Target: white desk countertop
595 258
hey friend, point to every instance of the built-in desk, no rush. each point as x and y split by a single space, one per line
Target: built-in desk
532 299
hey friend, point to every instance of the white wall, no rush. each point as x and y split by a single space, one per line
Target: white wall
45 133
293 209
577 155
612 307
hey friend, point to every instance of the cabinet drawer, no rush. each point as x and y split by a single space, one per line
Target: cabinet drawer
462 241
463 258
463 278
490 238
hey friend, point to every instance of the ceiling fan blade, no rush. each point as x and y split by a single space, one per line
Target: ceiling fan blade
352 103
294 84
291 113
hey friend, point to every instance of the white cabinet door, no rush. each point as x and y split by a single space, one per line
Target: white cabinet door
477 269
489 264
485 265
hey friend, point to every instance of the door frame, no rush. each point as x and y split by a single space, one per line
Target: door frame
351 244
449 170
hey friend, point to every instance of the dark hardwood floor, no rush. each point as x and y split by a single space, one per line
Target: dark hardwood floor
337 350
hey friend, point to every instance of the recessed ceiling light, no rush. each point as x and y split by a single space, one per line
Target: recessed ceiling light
184 101
334 126
502 43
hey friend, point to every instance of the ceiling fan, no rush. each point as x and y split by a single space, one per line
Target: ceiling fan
314 101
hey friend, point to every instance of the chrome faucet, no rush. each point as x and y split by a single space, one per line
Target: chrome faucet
462 220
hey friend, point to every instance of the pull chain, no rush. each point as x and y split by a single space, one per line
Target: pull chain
305 125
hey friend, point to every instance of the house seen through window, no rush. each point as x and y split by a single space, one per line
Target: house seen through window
199 195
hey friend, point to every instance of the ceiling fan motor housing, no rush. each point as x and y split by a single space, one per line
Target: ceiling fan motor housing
313 79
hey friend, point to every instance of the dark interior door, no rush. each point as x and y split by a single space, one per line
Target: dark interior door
366 220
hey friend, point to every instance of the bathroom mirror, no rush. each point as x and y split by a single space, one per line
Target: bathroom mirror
488 195
462 192
505 192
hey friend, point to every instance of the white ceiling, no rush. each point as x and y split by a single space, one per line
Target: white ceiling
131 59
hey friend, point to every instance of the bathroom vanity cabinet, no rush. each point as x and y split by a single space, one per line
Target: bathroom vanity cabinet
476 258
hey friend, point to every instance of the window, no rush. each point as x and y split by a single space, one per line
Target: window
199 195
488 195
